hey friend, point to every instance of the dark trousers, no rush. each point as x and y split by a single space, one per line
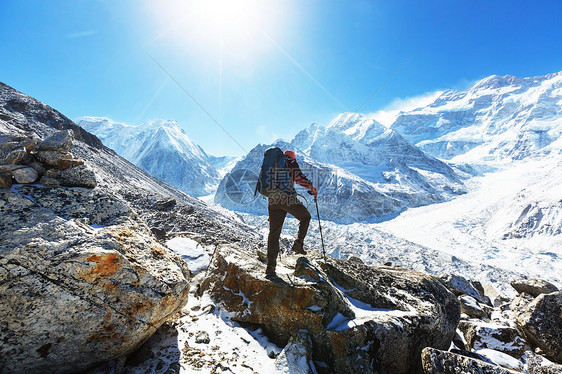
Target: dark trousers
278 209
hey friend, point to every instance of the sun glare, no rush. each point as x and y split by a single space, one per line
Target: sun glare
233 26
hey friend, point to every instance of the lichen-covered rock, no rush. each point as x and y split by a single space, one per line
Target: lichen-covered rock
461 286
360 318
435 361
296 357
74 295
479 335
79 176
541 323
533 287
58 141
25 175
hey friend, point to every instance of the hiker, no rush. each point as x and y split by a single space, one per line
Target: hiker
284 200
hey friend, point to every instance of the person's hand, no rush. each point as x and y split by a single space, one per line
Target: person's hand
313 191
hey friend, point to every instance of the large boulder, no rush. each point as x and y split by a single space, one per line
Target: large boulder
25 175
436 361
61 140
82 281
480 335
360 318
533 287
541 323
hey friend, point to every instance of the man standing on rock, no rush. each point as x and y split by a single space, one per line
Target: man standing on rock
284 200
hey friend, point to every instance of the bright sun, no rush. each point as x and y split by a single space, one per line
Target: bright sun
233 26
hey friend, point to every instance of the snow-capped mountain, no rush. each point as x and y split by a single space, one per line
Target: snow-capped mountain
376 154
499 118
364 172
162 149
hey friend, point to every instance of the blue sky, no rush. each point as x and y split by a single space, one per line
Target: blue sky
263 69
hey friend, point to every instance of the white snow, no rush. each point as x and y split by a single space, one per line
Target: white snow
192 252
240 350
500 358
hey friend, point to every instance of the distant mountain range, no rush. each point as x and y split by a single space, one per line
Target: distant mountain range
162 149
499 118
365 171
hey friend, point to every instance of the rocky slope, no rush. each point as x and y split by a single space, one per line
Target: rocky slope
160 148
83 278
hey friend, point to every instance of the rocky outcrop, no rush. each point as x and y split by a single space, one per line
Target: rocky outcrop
481 335
360 318
26 160
435 361
541 322
533 287
471 307
82 280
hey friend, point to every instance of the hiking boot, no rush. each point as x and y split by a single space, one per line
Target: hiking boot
298 247
271 276
270 272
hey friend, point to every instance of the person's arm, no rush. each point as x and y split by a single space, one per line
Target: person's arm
300 178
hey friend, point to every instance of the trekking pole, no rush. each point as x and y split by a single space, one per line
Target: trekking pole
320 227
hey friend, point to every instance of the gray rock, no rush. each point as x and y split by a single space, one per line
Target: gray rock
79 176
39 168
25 175
52 158
202 337
461 286
472 308
16 156
436 361
11 167
164 204
159 233
5 179
541 323
505 339
296 357
403 311
73 296
533 287
539 365
49 182
59 141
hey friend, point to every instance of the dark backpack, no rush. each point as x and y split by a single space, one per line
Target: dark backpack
274 174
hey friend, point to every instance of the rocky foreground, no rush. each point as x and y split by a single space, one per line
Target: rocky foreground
88 282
